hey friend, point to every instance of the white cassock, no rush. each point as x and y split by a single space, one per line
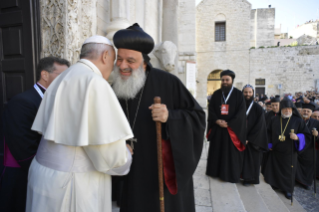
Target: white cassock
83 132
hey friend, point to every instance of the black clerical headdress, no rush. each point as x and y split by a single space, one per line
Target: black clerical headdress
229 73
248 86
134 38
286 102
268 103
310 106
276 99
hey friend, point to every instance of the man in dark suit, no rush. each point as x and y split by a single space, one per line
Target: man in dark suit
19 141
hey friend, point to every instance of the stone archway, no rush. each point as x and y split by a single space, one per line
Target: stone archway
213 81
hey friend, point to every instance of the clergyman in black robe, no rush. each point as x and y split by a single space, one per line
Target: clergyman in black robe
256 139
136 84
275 105
226 131
20 142
280 168
305 165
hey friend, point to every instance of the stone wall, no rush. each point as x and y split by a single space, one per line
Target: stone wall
311 29
262 26
103 17
65 25
296 68
233 53
186 36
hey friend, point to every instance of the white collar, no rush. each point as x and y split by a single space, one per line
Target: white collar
92 66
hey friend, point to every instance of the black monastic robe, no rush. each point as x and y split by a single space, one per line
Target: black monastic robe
17 120
268 117
305 165
257 144
278 171
182 147
225 155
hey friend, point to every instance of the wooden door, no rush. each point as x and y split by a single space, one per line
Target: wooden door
19 46
260 91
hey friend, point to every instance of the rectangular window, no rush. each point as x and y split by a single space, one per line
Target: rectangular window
260 82
220 31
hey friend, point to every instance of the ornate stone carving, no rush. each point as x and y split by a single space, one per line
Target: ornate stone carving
65 25
52 27
163 56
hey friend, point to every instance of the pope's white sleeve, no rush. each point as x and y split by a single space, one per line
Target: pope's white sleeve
122 170
113 158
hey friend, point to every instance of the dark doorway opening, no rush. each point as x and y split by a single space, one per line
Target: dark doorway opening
20 46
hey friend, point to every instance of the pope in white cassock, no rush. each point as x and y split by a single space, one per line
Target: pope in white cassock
83 132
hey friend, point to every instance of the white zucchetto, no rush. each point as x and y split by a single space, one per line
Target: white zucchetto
98 39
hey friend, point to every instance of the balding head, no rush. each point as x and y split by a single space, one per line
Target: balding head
315 115
101 55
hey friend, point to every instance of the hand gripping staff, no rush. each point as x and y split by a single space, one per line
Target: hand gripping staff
157 100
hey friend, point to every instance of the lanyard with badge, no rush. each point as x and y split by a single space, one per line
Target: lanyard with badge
225 106
38 90
251 104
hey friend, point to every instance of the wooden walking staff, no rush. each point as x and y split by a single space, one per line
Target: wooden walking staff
292 169
157 100
314 164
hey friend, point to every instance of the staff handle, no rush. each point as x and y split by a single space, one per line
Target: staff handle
157 100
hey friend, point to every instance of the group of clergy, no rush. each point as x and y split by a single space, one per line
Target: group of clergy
244 140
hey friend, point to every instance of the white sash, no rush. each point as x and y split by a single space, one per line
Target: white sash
38 90
251 104
228 95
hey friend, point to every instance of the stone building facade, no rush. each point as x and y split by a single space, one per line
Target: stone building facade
65 24
292 69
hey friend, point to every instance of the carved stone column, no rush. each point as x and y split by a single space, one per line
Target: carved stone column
65 24
120 13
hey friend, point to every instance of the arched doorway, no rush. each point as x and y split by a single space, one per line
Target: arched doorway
213 82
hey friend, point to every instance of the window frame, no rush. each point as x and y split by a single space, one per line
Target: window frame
220 22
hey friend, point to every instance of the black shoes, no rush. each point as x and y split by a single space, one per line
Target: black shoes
288 195
306 187
246 183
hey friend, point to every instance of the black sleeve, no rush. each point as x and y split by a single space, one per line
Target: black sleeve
17 122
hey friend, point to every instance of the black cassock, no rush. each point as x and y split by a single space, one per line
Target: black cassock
17 120
278 171
225 155
268 117
305 165
257 144
183 134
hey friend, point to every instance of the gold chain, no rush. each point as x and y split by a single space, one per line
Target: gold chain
283 132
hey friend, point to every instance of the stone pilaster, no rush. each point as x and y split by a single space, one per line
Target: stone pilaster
65 24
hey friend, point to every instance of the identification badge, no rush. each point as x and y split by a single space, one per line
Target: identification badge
224 109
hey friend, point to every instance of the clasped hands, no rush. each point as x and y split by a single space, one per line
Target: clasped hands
222 123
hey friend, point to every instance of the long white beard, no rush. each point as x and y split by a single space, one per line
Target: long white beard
128 88
284 116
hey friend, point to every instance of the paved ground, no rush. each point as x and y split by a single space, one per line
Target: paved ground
204 195
307 199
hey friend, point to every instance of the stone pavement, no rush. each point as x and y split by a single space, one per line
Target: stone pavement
218 196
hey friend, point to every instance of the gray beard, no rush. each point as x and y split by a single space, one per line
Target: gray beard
285 117
128 88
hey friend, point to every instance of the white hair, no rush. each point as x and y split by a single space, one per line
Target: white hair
128 88
94 50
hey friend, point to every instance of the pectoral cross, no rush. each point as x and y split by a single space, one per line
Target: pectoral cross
132 140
